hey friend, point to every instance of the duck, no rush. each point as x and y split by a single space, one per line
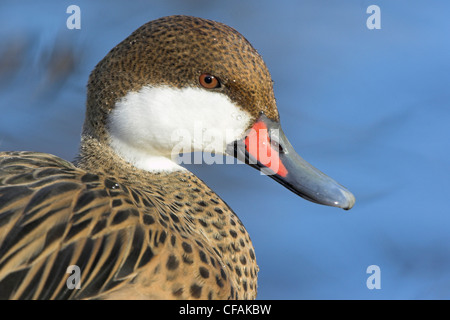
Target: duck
126 219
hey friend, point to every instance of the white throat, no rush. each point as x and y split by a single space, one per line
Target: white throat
151 127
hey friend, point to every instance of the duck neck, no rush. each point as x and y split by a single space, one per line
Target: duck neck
187 206
97 155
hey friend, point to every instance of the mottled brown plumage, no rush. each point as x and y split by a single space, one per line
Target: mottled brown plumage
168 237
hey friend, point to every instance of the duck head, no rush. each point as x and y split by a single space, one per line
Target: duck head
178 79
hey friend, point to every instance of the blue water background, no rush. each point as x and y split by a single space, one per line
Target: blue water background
371 108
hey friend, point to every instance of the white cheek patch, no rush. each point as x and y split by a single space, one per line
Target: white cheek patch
150 127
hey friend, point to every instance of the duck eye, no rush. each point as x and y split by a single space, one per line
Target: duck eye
209 81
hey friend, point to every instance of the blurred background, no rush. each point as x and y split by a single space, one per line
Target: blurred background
371 108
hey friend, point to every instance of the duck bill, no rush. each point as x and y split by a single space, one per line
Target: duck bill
267 149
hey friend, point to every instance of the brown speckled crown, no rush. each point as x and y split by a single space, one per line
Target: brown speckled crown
175 51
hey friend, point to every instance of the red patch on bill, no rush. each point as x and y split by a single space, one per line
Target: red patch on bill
258 144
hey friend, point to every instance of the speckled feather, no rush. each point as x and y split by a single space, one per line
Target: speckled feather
170 238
